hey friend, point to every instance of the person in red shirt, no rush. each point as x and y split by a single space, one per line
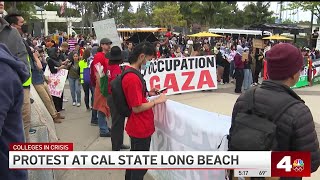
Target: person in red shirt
140 124
116 57
158 54
100 102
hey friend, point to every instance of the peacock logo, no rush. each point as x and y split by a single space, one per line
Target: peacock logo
298 165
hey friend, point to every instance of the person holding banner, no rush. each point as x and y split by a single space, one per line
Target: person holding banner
140 124
55 65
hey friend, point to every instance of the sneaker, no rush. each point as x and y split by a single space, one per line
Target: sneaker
78 104
74 103
32 131
124 146
94 124
65 100
105 135
221 83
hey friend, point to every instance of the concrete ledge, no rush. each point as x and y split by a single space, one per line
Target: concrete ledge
40 116
42 122
41 135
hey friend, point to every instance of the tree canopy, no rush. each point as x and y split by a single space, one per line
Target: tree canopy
211 14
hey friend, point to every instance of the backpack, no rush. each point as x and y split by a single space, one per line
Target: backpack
119 99
256 131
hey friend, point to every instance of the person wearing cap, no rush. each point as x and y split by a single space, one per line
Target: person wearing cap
116 57
295 127
98 69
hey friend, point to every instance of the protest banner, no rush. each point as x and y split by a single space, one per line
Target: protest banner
245 56
316 71
57 81
180 75
107 29
258 43
196 130
303 79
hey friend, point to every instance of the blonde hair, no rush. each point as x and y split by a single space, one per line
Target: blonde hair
65 45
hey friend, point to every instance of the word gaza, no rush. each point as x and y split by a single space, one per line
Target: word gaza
181 75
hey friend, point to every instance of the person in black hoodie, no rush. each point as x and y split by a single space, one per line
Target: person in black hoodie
13 73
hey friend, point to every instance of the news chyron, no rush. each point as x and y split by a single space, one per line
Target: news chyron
39 156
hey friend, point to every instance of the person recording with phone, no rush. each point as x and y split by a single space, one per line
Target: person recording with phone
140 124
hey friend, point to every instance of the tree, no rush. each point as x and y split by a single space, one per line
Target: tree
287 21
140 18
306 6
126 15
257 13
168 15
25 8
40 3
114 10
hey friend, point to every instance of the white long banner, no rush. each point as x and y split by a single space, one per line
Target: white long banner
182 75
184 128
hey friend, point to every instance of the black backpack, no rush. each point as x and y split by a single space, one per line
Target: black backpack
256 131
118 96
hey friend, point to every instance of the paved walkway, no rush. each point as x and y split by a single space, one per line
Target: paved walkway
76 127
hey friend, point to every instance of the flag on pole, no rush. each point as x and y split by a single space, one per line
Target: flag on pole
62 8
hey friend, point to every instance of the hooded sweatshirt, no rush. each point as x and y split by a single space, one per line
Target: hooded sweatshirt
53 61
13 74
13 40
238 58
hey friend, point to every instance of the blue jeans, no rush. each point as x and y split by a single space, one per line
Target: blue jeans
75 89
102 123
247 81
94 113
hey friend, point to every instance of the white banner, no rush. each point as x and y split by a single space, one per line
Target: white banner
182 75
107 29
184 128
57 81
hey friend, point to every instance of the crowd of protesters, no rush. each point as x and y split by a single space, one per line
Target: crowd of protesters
25 59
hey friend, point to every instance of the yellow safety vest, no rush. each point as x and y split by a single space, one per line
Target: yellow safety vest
82 65
29 81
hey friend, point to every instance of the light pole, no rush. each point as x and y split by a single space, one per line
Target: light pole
42 25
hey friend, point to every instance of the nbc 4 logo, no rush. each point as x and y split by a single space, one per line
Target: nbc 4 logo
285 163
298 165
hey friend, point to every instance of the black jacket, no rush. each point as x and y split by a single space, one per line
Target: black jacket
295 128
